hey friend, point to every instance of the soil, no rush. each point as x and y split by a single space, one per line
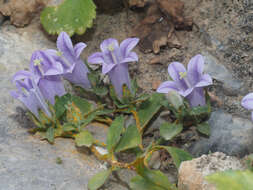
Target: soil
221 28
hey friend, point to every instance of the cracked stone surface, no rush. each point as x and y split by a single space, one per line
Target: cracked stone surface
229 134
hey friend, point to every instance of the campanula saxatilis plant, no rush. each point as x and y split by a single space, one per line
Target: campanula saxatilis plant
247 102
29 93
68 55
188 83
47 74
114 59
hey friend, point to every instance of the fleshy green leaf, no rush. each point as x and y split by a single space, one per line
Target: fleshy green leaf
98 179
178 155
82 104
149 108
154 177
114 132
72 16
84 138
204 128
232 180
60 103
50 134
174 99
68 127
140 183
169 130
130 139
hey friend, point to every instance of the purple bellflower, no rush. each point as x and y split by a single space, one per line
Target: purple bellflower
75 70
114 59
47 74
29 93
188 83
247 102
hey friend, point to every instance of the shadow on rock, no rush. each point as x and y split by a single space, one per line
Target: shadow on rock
22 118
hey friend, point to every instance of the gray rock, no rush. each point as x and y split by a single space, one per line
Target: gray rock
231 86
26 162
192 173
229 134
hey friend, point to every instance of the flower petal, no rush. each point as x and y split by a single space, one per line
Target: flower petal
14 94
174 69
107 68
132 57
186 92
50 87
247 101
196 98
64 44
79 75
111 41
119 76
96 58
252 116
127 45
206 80
79 48
167 86
20 75
195 69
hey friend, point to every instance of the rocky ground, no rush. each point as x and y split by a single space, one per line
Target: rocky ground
222 32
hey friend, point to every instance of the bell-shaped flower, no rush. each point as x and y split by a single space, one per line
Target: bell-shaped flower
247 102
75 70
29 93
114 59
188 83
47 73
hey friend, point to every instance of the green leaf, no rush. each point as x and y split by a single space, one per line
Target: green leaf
68 127
140 183
127 95
169 130
98 179
174 99
72 16
60 103
149 108
204 128
154 177
82 104
200 112
50 134
84 138
114 133
232 180
130 139
134 86
100 90
178 155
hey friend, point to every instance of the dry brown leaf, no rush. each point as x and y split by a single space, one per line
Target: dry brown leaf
156 84
137 3
21 12
215 98
157 28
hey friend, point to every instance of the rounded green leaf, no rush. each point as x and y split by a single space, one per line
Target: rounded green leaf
232 180
98 179
178 155
72 16
130 139
114 132
169 130
84 139
204 128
